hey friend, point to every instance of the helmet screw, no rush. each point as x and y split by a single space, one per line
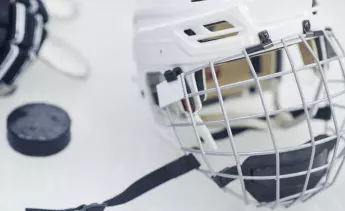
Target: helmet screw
306 26
265 40
171 75
264 36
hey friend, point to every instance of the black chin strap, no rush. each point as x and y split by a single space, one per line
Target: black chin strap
170 171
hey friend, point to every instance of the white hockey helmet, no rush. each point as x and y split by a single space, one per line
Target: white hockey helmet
252 84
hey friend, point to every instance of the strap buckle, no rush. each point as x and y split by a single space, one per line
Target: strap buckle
93 207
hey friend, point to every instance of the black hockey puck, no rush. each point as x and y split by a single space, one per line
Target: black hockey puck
38 129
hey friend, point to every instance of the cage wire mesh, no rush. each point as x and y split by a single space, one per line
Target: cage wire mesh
283 109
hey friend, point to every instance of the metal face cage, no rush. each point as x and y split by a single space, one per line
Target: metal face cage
285 172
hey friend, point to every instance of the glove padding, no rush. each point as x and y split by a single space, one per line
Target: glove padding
22 33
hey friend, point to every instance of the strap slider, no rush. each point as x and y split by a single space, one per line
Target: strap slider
93 207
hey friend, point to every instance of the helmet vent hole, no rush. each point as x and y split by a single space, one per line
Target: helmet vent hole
218 37
189 32
218 26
